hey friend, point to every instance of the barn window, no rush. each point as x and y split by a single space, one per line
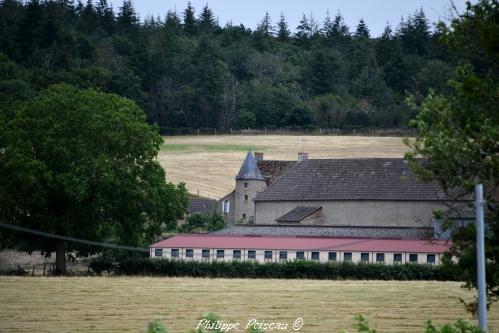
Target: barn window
332 256
347 256
283 255
236 254
220 253
413 257
189 253
315 255
300 255
364 257
397 257
158 252
175 253
430 259
246 197
268 255
206 254
380 257
252 254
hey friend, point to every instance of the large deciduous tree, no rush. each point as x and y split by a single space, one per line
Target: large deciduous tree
458 133
82 163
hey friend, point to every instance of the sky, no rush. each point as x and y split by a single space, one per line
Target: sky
376 13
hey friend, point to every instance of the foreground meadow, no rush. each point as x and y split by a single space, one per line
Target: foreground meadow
126 304
209 163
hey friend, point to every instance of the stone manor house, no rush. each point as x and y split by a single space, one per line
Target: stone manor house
362 209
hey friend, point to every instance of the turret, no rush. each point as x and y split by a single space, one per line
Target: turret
249 181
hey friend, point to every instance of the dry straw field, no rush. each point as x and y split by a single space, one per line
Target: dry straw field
126 304
208 164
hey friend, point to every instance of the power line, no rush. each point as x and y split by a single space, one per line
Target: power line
72 239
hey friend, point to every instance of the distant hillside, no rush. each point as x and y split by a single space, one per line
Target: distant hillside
186 71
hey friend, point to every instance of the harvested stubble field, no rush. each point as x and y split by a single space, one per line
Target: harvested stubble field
127 304
208 164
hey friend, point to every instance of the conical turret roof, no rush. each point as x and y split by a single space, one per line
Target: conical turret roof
249 170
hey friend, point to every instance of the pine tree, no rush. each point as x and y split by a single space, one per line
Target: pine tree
127 18
172 21
283 32
303 29
207 22
362 30
265 27
189 20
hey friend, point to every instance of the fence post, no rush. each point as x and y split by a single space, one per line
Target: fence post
44 265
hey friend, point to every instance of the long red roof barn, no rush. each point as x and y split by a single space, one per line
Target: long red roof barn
304 243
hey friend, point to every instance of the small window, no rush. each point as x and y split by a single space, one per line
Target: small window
206 254
364 257
397 257
315 255
245 185
246 197
283 255
244 216
332 256
430 259
175 253
158 252
189 253
252 254
236 254
268 255
347 256
380 257
226 207
300 255
220 253
413 257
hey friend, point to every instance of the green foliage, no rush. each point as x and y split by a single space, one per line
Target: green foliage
202 222
82 163
460 326
458 135
361 326
297 269
156 326
186 71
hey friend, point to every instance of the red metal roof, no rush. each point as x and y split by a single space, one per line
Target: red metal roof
304 243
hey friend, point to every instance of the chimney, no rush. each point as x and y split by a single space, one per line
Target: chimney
258 156
302 157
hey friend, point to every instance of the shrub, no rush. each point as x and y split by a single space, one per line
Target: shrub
297 269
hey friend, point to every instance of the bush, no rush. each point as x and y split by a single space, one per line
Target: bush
297 269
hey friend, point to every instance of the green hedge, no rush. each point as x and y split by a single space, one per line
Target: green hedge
298 269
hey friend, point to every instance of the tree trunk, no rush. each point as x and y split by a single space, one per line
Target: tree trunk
60 257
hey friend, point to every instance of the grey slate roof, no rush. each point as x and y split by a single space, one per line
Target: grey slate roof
297 214
201 205
249 170
351 179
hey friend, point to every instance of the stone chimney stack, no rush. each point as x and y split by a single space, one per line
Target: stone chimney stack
302 157
258 156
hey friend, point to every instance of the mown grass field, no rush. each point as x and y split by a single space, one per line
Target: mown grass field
127 304
208 164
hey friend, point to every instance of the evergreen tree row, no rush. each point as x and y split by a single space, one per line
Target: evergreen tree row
187 71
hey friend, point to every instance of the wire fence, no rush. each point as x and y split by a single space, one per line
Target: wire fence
177 131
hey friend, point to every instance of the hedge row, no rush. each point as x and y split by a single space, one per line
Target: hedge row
298 269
